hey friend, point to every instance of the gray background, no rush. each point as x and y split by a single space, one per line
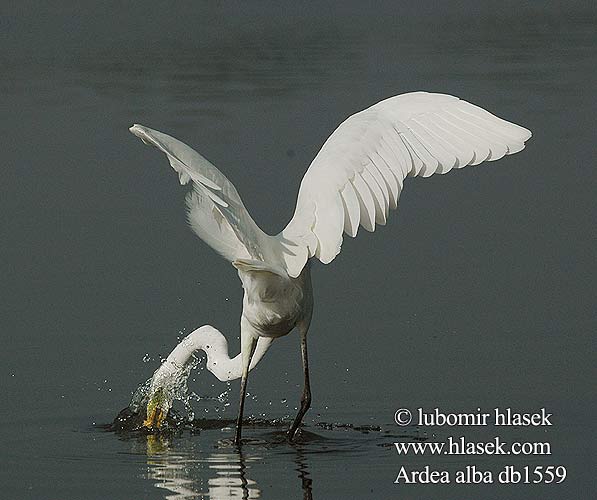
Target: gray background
478 293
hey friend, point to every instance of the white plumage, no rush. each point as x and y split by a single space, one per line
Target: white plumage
360 171
355 179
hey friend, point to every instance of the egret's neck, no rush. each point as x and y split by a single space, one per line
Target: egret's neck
215 345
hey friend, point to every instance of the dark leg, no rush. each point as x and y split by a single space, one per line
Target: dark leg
306 396
246 360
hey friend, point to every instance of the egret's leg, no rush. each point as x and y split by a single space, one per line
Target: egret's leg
247 349
306 396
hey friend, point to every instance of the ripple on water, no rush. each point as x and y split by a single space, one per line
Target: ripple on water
263 433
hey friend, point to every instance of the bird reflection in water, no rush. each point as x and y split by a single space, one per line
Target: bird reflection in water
221 474
197 463
303 473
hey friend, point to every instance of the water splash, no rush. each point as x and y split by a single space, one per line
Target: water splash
169 383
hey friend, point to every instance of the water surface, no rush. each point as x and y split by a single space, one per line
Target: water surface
478 293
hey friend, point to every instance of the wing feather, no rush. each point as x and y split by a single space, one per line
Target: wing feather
456 154
381 163
480 147
496 150
399 161
366 202
372 166
446 160
328 228
465 151
352 210
377 195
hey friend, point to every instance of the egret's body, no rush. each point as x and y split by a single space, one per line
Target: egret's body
353 181
273 305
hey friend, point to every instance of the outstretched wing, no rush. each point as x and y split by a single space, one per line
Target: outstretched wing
215 211
358 174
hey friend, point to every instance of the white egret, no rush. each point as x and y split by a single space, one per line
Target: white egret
355 179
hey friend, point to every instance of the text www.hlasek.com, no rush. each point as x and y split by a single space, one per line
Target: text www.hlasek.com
459 446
